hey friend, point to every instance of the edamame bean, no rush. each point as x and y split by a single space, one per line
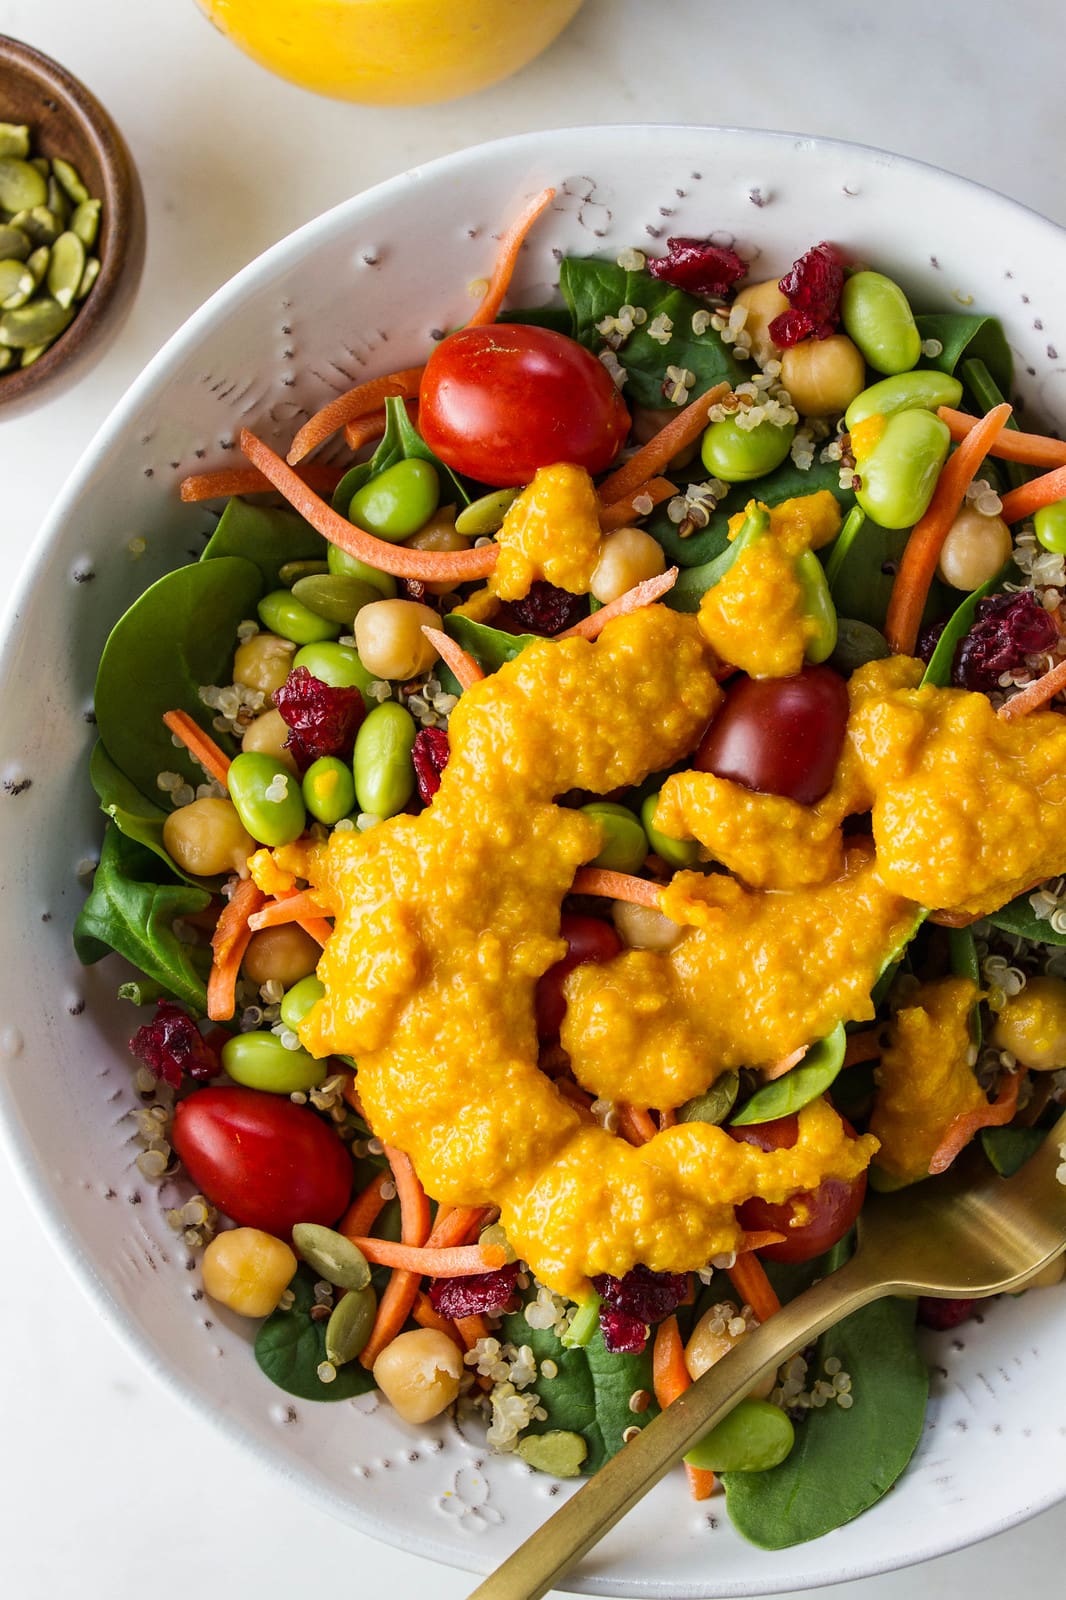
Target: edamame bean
328 789
736 454
334 595
259 1060
899 474
677 853
382 765
340 562
625 844
877 315
922 390
1049 524
755 1436
267 797
818 604
289 618
336 664
299 1000
396 503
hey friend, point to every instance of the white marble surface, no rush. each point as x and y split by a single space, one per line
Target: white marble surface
107 1486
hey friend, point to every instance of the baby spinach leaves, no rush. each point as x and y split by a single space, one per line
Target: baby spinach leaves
269 536
786 482
1018 917
976 338
798 1088
1009 1149
132 813
958 625
290 1348
490 647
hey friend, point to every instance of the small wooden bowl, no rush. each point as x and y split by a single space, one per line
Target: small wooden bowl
66 120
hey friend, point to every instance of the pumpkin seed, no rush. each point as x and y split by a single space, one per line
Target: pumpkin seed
558 1452
37 263
293 571
39 223
68 176
88 277
66 268
331 1255
43 165
14 244
57 202
21 185
7 358
485 516
14 139
715 1105
34 352
16 284
349 1325
86 222
333 596
36 323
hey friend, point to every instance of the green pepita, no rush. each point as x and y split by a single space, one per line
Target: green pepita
7 358
14 244
331 1255
21 185
14 139
349 1326
293 571
335 597
714 1105
42 225
36 323
485 516
43 165
70 179
85 222
16 284
66 268
37 263
34 353
559 1453
88 277
57 202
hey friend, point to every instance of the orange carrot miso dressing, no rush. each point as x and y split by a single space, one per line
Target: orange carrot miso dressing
444 921
550 532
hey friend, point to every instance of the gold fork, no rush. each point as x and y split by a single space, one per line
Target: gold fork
962 1236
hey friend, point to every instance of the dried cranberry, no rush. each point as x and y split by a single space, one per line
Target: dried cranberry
635 1301
944 1314
813 290
1006 629
323 721
623 1335
928 640
545 610
430 756
413 588
698 266
480 1293
171 1046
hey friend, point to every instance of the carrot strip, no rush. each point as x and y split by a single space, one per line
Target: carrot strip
758 1240
368 429
922 552
864 1046
1032 449
414 1204
635 1125
473 1328
455 566
226 481
459 1225
511 243
199 744
572 1092
318 929
433 1261
668 1119
290 908
365 1209
453 655
748 1277
402 1289
621 512
617 886
642 594
777 1069
357 402
1029 497
968 1123
652 457
1035 695
670 1378
228 944
426 1317
394 1308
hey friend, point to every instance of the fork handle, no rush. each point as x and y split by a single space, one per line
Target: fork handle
579 1524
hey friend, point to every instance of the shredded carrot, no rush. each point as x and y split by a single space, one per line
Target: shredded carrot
1031 496
578 1097
670 1378
228 481
1035 695
635 1126
414 1204
922 552
455 566
473 1328
621 512
1032 449
199 745
953 919
777 1069
642 594
426 1317
357 402
401 1291
394 1308
748 1277
668 1119
453 655
968 1123
865 1046
365 430
433 1261
365 1209
228 944
758 1240
511 243
617 886
287 908
653 457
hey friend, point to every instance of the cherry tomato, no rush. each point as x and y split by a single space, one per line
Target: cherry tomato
779 735
811 1220
262 1160
497 403
589 939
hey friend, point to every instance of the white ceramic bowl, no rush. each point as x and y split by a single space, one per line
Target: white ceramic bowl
356 293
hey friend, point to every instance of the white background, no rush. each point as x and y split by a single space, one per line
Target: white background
108 1488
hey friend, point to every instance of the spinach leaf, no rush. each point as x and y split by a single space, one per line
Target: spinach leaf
964 963
268 535
490 647
1019 918
978 338
942 660
986 393
289 1348
131 912
134 815
862 583
1009 1149
786 482
141 991
557 318
401 441
843 1461
591 1393
596 289
807 1080
180 634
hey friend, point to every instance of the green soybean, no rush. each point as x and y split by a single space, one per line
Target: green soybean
331 1255
677 853
300 998
341 562
1049 524
398 502
818 604
328 789
267 798
736 454
625 844
754 1437
878 317
382 765
291 619
921 390
259 1060
899 475
335 595
336 664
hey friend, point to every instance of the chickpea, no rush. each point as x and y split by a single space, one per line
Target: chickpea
763 302
628 556
263 662
208 837
439 533
267 735
974 550
1032 1025
643 928
419 1373
711 1339
823 376
248 1270
281 955
390 641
